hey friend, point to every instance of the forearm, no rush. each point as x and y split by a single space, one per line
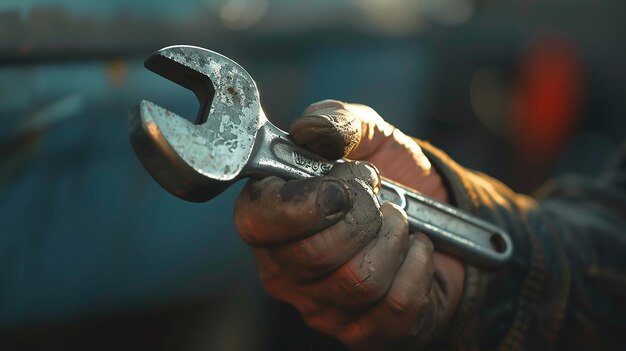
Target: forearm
504 307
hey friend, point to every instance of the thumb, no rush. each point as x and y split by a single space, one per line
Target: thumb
328 129
336 129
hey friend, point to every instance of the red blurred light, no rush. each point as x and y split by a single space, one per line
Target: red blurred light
549 100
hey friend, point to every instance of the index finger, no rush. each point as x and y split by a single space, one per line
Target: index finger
272 211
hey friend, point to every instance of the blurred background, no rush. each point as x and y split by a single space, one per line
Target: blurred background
95 255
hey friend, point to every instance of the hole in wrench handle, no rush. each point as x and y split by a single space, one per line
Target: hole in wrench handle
453 231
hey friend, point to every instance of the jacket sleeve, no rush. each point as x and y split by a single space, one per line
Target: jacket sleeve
565 287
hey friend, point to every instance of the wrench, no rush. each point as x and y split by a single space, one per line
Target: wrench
232 139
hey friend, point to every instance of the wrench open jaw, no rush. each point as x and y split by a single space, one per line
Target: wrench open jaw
196 162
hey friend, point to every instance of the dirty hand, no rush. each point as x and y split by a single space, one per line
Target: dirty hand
325 246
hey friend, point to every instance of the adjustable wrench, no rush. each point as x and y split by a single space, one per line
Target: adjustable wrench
232 139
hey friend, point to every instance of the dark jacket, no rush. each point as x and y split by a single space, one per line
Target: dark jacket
566 285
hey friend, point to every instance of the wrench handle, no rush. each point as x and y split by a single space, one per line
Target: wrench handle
453 231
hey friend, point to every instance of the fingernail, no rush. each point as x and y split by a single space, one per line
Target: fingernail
333 198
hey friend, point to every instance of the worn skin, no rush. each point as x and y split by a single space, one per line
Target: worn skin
325 246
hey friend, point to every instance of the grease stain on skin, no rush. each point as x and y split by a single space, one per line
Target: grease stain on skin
296 191
255 188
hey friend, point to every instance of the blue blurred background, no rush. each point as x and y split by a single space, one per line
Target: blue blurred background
94 254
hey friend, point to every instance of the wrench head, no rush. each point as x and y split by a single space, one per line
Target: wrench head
197 161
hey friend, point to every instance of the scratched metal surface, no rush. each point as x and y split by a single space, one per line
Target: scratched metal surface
220 147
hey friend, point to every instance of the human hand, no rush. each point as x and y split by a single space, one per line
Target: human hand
325 246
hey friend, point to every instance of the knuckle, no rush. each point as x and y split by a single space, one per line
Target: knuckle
360 284
356 336
369 115
392 210
367 172
331 103
425 242
311 253
325 105
400 303
395 217
325 319
362 109
245 228
370 110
